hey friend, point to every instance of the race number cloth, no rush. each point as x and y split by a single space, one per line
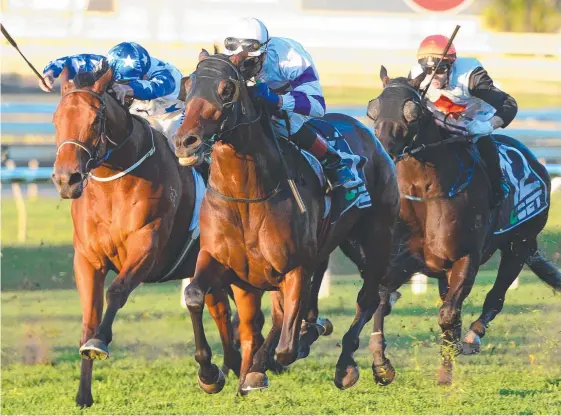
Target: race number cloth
528 194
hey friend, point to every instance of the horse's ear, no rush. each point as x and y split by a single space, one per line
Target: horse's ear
103 82
216 50
203 55
183 89
65 84
384 76
416 82
238 58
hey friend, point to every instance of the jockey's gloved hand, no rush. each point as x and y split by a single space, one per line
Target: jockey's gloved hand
479 128
263 92
49 80
121 91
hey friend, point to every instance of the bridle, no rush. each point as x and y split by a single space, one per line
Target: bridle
229 108
95 160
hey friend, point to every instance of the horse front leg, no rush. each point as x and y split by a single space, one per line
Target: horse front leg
141 255
207 277
89 282
295 289
460 281
218 305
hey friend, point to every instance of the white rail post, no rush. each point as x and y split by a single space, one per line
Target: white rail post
20 206
32 188
419 283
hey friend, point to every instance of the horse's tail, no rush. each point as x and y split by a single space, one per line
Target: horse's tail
545 270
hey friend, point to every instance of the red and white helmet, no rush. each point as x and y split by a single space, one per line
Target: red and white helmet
432 48
248 34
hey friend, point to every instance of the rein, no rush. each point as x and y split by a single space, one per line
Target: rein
234 104
92 151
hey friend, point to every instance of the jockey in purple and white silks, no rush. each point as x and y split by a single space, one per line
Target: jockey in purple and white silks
152 83
286 79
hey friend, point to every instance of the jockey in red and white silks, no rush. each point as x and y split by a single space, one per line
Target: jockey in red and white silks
463 90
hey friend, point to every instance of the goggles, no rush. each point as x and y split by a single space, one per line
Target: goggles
250 45
430 66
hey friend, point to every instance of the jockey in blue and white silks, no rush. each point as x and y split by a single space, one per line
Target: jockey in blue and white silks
152 83
286 79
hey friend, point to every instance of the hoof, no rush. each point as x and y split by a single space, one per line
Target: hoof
394 297
214 386
276 367
94 349
325 326
286 358
254 381
346 377
84 400
384 373
444 376
471 344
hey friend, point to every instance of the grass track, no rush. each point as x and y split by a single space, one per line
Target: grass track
151 370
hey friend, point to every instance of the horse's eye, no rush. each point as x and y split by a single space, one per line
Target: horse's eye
227 91
411 111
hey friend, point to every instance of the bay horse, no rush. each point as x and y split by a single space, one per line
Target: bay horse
132 207
446 230
253 234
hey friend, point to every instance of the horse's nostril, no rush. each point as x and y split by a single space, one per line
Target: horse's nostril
75 178
190 140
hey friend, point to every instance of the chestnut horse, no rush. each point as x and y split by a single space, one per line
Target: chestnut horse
131 209
253 234
446 234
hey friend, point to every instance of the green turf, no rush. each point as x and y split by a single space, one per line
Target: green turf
152 370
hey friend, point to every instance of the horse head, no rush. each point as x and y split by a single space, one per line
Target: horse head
216 101
80 124
398 112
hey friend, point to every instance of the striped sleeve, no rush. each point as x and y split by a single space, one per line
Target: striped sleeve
306 97
160 84
75 63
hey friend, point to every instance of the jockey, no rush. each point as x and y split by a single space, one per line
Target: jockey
462 88
288 80
152 83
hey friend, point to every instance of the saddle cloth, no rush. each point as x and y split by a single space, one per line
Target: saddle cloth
528 194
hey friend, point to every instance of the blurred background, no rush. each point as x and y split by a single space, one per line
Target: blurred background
518 41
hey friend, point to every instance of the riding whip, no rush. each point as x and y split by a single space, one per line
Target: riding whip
14 44
440 60
291 182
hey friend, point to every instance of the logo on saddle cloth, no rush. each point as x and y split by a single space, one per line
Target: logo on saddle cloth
528 196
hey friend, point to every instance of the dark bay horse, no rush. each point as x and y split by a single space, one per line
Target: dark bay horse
132 207
443 233
254 236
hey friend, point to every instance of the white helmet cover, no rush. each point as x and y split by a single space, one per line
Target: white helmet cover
248 28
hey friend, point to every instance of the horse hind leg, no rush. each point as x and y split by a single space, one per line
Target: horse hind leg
313 326
403 266
372 255
513 259
545 270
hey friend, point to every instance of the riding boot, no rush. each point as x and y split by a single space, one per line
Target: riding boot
336 171
490 155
